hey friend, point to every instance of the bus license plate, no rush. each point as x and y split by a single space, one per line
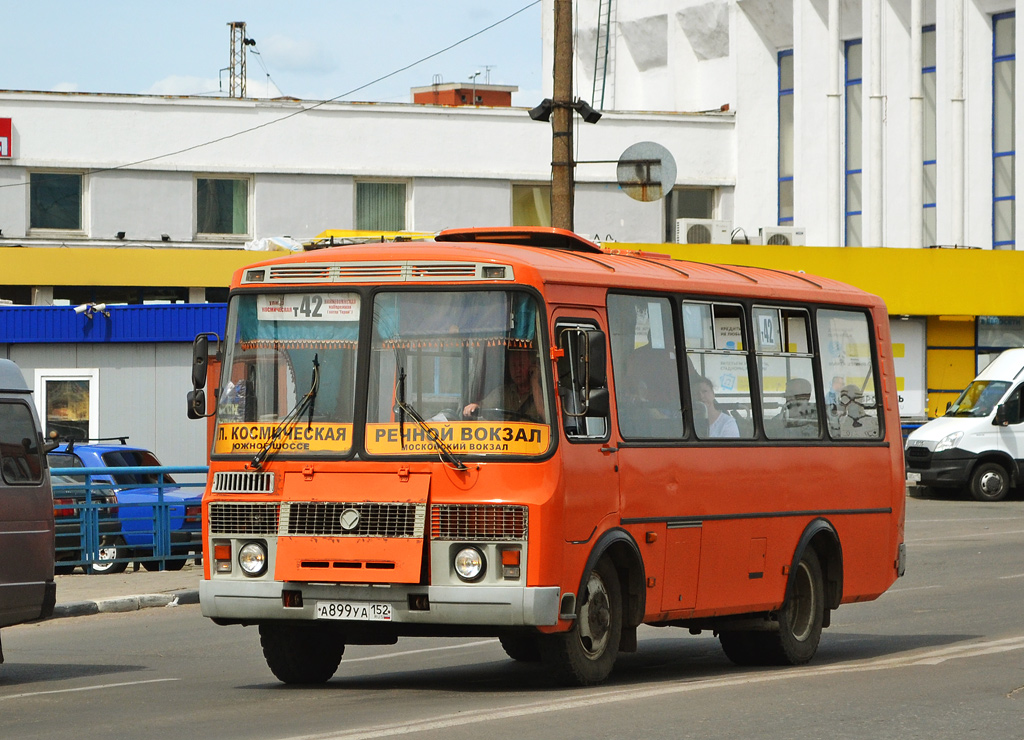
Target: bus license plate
358 611
913 478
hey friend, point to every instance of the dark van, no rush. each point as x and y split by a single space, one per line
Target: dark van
27 588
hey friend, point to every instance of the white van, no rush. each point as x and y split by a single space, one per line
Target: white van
979 442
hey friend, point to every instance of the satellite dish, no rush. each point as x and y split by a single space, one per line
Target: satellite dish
646 171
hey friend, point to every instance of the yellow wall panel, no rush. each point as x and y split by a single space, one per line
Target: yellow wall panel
950 331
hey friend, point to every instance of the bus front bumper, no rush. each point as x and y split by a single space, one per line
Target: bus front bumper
232 600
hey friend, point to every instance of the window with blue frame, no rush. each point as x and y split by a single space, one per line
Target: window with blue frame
930 149
853 208
785 192
1004 56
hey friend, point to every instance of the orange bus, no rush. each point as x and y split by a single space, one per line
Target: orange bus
516 433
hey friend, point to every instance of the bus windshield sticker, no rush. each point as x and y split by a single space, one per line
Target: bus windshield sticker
251 437
506 438
307 307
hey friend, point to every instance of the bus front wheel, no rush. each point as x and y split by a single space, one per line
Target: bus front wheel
586 653
302 654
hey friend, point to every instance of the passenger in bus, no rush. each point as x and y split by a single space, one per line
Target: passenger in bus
720 424
518 396
853 419
798 417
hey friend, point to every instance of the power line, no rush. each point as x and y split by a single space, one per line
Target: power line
316 105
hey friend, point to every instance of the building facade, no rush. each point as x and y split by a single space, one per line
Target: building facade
880 125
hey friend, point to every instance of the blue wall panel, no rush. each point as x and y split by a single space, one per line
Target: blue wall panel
176 322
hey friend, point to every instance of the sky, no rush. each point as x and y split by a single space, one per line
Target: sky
308 49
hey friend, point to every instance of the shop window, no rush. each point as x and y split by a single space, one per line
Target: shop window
68 402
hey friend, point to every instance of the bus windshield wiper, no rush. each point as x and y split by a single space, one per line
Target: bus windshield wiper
291 418
404 408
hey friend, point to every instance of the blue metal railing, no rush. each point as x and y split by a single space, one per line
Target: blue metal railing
150 516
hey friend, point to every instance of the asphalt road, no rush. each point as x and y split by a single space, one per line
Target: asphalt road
941 655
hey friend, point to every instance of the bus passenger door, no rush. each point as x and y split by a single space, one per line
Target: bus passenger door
588 451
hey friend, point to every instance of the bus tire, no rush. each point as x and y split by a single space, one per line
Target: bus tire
989 482
523 648
801 617
795 641
585 655
743 647
302 654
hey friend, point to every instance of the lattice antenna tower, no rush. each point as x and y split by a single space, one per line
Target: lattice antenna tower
237 64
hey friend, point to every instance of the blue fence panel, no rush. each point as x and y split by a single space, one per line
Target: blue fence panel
150 518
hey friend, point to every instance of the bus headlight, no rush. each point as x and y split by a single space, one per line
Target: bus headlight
252 558
469 564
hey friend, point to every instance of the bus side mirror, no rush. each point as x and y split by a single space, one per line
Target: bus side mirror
1001 418
597 402
200 361
196 404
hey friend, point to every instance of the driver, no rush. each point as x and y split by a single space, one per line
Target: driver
518 396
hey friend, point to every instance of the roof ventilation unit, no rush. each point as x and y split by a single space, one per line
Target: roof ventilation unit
786 236
702 231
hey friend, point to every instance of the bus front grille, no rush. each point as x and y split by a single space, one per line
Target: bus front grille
242 482
364 519
481 522
242 518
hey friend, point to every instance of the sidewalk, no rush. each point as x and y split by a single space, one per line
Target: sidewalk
79 594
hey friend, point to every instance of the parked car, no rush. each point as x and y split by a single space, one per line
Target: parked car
138 504
73 506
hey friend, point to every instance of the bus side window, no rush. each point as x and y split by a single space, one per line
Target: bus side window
583 381
848 366
644 363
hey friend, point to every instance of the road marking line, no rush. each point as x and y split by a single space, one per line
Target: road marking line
910 588
422 650
1006 578
87 688
964 536
594 697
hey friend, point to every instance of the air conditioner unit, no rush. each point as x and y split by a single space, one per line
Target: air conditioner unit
702 231
788 236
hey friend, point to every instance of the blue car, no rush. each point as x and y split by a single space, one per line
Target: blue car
139 508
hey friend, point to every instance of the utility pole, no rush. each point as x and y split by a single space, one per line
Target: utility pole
562 164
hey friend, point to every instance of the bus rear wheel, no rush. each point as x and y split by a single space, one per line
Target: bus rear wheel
301 654
586 654
989 482
796 639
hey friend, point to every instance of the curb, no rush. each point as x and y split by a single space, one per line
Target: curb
125 604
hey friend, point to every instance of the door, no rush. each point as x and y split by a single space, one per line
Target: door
588 447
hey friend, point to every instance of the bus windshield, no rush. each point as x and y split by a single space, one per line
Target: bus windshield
467 363
979 399
284 351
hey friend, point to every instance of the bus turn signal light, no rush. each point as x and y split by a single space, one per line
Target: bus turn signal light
222 557
510 564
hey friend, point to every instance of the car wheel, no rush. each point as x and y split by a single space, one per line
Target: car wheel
306 654
989 482
111 559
